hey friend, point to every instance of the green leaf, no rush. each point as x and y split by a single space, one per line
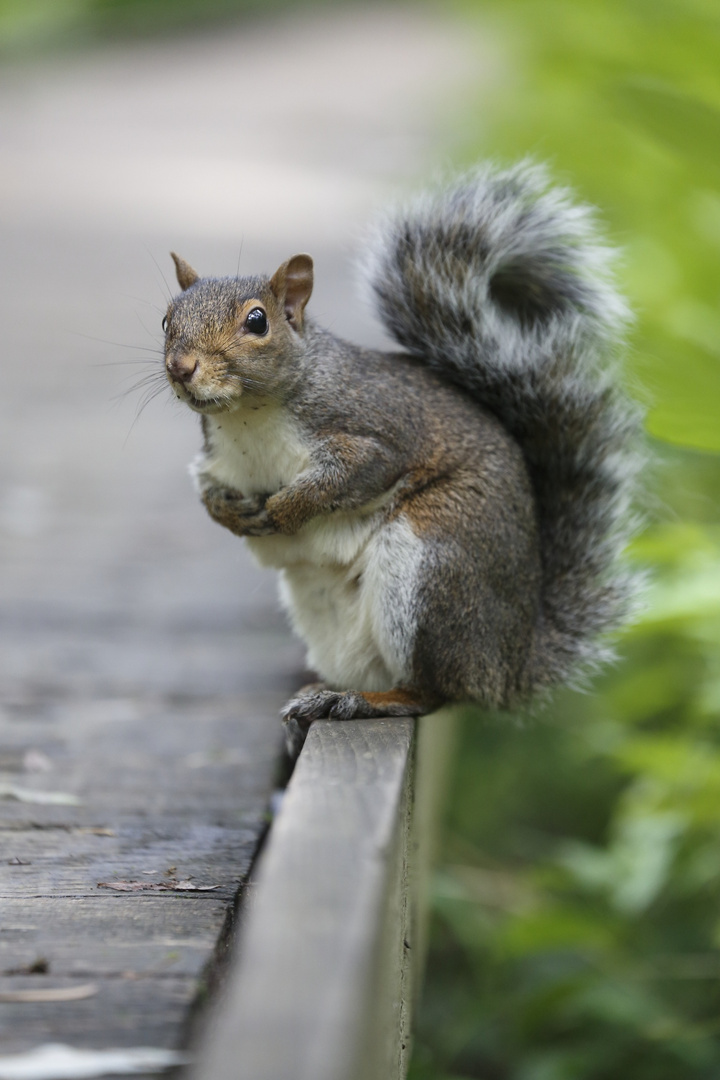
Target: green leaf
683 381
634 869
684 125
686 598
555 928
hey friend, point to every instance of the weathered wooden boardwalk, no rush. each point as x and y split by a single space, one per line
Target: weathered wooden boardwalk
142 656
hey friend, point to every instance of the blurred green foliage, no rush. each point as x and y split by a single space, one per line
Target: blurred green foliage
577 904
32 26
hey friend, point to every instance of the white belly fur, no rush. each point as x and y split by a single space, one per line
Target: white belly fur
347 580
356 619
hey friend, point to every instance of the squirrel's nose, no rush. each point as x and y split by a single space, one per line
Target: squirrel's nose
181 367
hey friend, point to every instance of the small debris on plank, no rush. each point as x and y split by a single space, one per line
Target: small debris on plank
44 798
55 1061
36 761
60 993
38 967
156 886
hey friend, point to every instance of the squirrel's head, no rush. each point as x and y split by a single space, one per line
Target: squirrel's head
225 337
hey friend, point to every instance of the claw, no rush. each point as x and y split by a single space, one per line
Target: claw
295 736
326 704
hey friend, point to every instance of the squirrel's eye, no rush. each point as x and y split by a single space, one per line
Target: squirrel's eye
256 322
165 323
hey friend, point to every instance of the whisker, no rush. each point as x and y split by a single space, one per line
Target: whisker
130 362
162 275
246 382
150 377
148 397
145 328
115 344
144 300
155 386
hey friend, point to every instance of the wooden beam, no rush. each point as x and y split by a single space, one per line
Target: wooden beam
322 986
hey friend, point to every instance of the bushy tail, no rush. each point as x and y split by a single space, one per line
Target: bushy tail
502 284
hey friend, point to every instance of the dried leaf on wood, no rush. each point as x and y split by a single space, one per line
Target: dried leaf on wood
190 886
60 993
45 798
156 886
53 1061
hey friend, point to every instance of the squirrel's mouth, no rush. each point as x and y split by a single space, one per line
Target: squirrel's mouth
202 405
207 405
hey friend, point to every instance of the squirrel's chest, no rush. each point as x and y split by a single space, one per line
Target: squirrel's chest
259 451
256 450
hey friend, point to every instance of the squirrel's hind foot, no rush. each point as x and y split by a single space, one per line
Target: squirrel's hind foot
316 702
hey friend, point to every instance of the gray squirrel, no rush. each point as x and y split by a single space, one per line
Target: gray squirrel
446 520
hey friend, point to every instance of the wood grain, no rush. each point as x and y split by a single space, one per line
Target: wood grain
177 794
322 987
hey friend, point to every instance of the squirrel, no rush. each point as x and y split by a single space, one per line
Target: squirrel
447 519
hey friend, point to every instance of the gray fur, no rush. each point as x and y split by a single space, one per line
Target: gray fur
503 287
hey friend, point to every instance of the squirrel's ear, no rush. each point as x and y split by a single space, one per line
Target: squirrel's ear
185 274
292 283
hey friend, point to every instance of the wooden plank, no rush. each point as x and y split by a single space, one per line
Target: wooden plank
322 986
120 1012
165 794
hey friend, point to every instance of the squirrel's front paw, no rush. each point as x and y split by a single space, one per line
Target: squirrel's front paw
244 515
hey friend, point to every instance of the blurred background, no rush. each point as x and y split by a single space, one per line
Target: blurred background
576 925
